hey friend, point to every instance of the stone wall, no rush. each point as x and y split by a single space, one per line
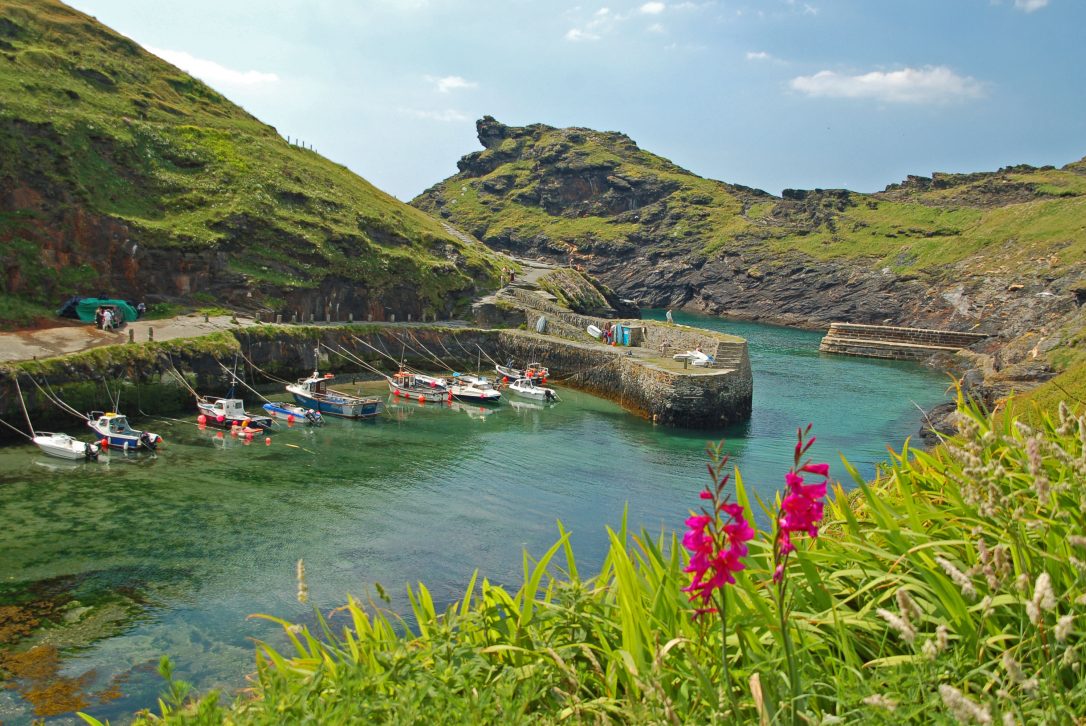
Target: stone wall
893 342
705 398
140 372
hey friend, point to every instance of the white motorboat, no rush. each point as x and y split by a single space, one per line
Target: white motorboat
116 432
529 389
65 446
474 389
230 412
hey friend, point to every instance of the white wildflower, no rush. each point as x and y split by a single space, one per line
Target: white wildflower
1063 627
877 700
1008 719
907 606
1043 598
962 708
1077 540
960 578
902 625
1017 676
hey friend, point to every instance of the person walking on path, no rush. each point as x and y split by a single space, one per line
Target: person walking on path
107 319
98 317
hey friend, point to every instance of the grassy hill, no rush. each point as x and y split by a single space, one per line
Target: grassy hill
599 193
119 171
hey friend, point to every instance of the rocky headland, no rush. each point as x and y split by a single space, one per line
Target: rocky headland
995 252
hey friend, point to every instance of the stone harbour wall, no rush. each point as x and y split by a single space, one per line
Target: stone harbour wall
140 373
893 342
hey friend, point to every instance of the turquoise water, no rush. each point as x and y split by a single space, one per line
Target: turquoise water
175 551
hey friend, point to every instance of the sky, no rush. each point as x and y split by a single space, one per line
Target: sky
772 94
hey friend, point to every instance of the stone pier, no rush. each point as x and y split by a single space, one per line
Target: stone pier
893 342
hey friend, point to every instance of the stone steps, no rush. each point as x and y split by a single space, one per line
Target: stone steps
894 342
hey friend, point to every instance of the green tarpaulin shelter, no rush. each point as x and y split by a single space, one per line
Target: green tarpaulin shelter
85 308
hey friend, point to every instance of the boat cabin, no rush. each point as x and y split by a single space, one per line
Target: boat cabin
316 383
231 408
115 423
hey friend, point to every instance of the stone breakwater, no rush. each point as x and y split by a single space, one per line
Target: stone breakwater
890 341
639 379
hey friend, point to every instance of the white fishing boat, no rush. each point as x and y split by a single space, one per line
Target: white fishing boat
425 389
229 413
65 446
528 388
474 389
594 331
534 371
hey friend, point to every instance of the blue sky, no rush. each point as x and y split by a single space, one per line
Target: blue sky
767 93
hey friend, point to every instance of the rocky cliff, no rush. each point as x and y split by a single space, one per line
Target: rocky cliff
119 173
998 252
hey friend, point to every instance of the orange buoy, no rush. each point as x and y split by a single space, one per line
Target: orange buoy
505 379
104 443
450 398
290 418
422 398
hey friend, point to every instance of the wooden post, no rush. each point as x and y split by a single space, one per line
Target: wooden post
350 317
278 318
150 333
131 335
392 318
294 317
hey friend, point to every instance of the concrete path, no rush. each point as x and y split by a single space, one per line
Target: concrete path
74 337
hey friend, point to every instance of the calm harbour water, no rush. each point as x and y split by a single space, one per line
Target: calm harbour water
183 546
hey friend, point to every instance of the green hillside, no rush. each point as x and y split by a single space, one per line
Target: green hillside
600 194
104 146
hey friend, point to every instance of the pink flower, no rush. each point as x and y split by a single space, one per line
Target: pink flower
802 507
716 550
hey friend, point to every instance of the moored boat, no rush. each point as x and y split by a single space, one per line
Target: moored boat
291 413
418 387
529 389
696 358
534 372
313 392
65 446
474 389
117 433
228 413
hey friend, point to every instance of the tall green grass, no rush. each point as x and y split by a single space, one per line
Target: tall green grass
952 588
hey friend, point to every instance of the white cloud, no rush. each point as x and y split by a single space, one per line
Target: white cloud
1030 5
758 55
445 84
931 84
656 28
576 34
212 73
446 116
653 8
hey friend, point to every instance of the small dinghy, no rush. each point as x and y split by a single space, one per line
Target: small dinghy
65 446
292 413
115 431
696 358
228 413
474 389
528 388
594 331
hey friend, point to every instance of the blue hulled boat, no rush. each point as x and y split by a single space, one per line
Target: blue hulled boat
313 392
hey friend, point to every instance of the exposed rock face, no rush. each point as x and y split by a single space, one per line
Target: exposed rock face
992 252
